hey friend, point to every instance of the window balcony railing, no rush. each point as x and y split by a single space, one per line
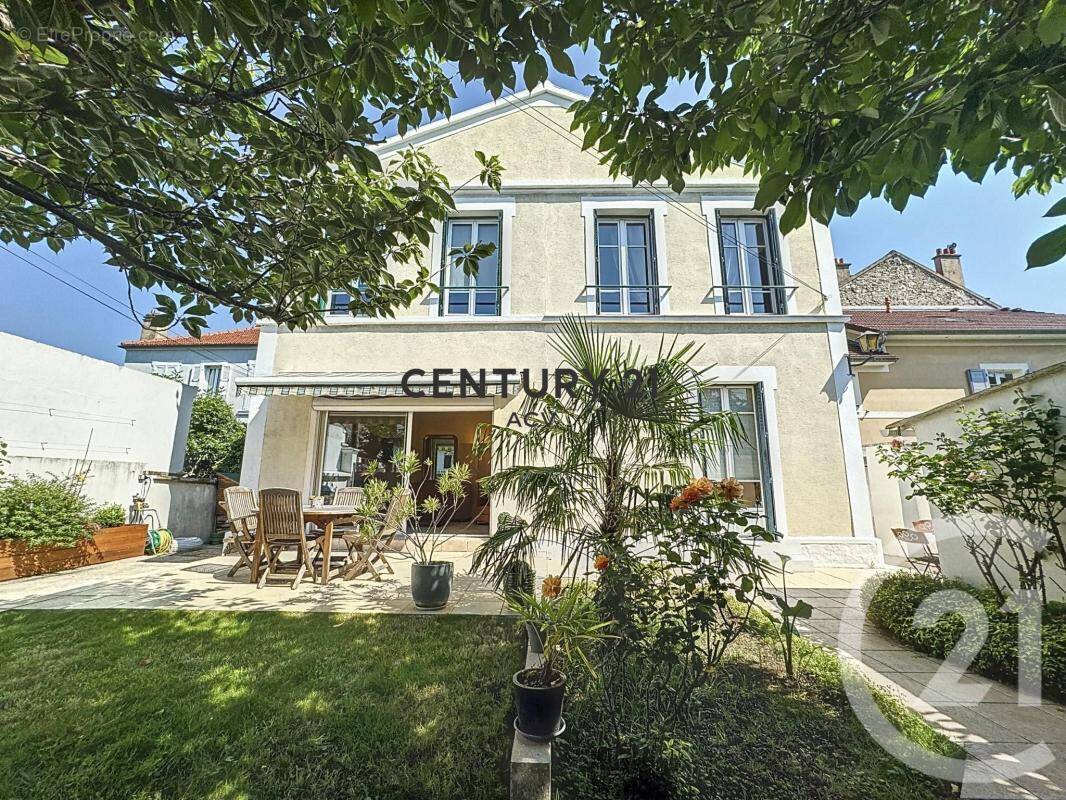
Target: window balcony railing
764 298
471 301
628 299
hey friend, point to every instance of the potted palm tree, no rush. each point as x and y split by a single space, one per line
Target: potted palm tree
566 622
427 524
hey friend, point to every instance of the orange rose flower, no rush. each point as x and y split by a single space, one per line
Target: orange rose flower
703 485
731 489
601 562
552 587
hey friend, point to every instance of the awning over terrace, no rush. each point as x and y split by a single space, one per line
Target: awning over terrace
369 384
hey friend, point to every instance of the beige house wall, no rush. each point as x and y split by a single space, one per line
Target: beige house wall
928 375
809 436
549 183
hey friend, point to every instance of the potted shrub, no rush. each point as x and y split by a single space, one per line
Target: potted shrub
566 623
427 525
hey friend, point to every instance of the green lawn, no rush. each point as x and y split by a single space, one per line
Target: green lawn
157 704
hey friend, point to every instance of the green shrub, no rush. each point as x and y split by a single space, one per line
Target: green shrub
109 516
216 438
896 600
44 511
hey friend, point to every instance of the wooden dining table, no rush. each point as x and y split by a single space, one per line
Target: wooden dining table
325 517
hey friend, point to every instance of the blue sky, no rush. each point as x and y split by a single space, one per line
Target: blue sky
992 229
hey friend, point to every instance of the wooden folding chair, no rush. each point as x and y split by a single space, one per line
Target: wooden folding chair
348 496
923 561
282 529
364 552
242 517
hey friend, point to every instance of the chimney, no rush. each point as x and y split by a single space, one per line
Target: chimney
149 331
843 270
948 263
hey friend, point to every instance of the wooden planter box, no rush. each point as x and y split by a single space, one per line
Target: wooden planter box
108 544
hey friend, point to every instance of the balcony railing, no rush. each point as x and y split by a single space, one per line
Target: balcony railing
628 299
467 301
764 298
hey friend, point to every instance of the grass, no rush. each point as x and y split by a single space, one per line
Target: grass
157 704
758 734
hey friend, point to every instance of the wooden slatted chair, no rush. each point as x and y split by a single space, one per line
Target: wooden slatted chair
348 496
365 551
243 518
282 528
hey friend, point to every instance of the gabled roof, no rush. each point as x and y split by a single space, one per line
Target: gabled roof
547 94
888 261
242 337
956 320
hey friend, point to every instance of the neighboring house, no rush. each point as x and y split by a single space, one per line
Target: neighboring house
643 264
1048 383
919 338
211 363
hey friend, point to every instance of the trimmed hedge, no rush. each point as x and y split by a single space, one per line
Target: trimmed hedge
895 601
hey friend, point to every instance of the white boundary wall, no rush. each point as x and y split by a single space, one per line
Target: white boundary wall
59 409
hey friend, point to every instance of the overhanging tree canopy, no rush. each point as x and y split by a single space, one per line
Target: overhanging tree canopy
221 150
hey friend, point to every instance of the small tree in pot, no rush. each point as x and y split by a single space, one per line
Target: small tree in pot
567 623
426 524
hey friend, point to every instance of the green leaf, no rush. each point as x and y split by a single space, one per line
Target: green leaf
561 61
1048 249
795 213
1058 209
880 28
771 187
535 72
1052 25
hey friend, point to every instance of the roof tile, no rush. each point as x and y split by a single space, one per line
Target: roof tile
242 337
963 320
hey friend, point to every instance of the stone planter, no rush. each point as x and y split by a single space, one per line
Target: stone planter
431 584
108 544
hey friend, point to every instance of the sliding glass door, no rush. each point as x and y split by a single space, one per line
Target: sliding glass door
353 441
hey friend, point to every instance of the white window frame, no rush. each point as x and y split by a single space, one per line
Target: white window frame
742 206
766 377
168 369
476 220
618 207
505 209
1017 369
329 312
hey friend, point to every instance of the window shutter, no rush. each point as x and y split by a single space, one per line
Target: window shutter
978 379
764 458
773 240
721 258
194 375
226 371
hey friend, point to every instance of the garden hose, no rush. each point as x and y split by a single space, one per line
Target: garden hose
160 541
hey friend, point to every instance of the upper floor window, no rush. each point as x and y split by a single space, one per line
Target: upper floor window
626 273
478 294
752 277
340 303
994 375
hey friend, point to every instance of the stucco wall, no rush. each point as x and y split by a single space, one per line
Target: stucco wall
928 375
956 561
816 499
61 412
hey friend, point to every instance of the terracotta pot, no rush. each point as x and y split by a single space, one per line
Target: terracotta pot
108 544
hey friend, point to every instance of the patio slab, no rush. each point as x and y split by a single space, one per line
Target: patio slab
197 580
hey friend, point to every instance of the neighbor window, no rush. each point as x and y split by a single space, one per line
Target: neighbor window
994 375
212 381
625 266
479 294
353 441
751 271
744 459
168 369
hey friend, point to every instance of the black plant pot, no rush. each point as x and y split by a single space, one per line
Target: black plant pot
540 708
431 584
